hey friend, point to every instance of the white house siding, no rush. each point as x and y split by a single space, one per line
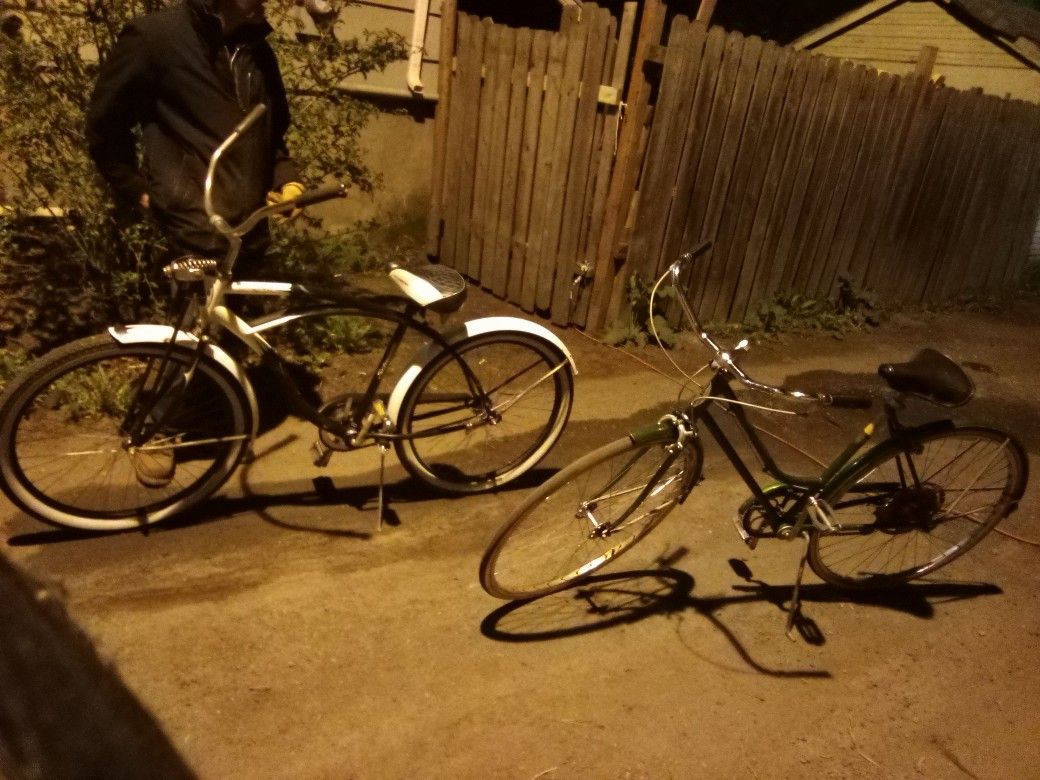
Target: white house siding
396 15
892 42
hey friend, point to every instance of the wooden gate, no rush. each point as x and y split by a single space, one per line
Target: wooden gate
804 168
531 132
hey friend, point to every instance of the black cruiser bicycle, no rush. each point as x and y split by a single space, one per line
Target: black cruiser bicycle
137 424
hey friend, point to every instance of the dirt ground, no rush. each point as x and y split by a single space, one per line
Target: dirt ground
275 632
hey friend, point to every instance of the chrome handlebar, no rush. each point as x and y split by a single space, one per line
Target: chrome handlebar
326 192
723 359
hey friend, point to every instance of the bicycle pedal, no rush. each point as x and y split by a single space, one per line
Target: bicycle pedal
748 539
320 454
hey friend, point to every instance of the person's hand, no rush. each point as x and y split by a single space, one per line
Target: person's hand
289 190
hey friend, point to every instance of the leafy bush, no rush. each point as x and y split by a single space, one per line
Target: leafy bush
68 261
634 324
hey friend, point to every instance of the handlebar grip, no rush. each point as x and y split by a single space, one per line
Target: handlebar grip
850 401
318 195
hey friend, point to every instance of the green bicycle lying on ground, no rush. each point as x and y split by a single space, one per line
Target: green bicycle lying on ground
897 511
135 425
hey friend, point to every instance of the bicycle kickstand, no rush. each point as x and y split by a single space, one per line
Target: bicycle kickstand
796 602
382 471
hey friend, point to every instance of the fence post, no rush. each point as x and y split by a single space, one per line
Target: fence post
440 127
626 168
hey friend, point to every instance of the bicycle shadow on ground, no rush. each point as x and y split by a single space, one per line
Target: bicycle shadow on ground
610 600
323 492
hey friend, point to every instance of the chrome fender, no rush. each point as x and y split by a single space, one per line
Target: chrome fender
160 334
467 330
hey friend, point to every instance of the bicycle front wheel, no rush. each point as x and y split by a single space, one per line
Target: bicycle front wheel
70 453
464 436
909 510
587 515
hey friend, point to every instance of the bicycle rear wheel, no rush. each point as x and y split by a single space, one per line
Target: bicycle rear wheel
68 453
587 515
909 510
467 439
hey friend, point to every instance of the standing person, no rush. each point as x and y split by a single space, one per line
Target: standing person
185 76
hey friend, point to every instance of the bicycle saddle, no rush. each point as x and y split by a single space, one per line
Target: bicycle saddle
932 376
189 268
436 287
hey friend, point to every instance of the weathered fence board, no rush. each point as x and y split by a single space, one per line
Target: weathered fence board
805 169
801 168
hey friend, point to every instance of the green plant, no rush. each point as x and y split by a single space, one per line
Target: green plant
635 326
851 310
11 362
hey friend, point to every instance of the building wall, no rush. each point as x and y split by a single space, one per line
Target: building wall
399 150
892 42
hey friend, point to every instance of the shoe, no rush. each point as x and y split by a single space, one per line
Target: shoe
154 468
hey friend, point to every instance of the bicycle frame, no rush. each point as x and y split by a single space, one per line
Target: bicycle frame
809 493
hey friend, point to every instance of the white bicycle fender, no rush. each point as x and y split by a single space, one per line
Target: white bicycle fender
464 331
160 334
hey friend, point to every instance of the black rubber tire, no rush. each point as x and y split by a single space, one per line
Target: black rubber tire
508 366
969 479
548 543
63 457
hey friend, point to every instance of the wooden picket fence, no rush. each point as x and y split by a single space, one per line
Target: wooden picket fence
804 169
530 143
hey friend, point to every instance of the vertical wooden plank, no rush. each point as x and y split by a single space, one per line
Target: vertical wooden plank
441 120
965 233
824 185
1025 225
500 260
867 172
919 220
626 166
796 217
534 80
485 148
726 261
856 138
787 167
948 179
708 167
870 246
470 62
595 163
693 147
912 126
596 20
1013 191
906 192
547 139
759 242
765 133
577 37
667 135
603 273
493 264
721 279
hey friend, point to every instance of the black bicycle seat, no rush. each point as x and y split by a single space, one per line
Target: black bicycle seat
436 287
932 376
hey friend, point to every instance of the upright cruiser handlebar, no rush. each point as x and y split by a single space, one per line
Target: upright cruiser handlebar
723 359
317 195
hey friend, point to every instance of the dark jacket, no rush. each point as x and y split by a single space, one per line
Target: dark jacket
173 74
